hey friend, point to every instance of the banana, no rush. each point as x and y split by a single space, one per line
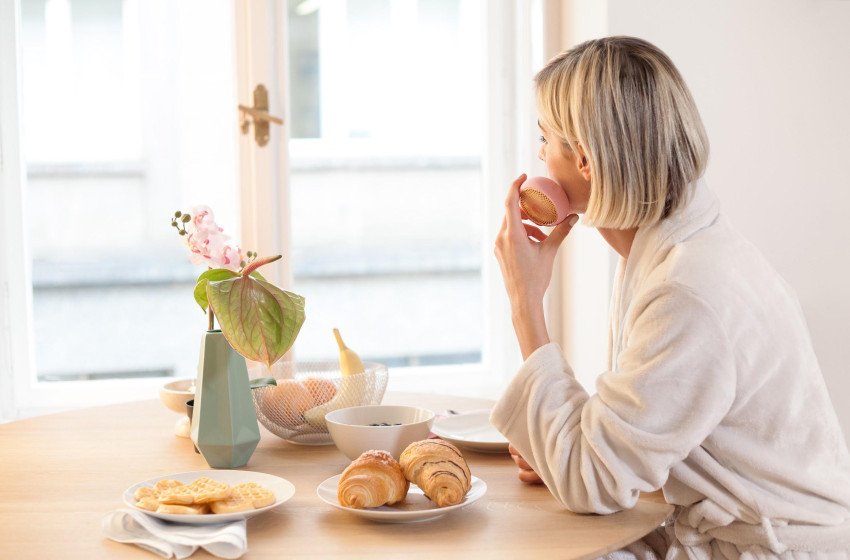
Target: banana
349 361
352 388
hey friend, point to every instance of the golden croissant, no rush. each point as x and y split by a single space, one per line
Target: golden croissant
438 468
372 480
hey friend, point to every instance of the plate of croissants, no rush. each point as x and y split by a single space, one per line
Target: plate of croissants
430 479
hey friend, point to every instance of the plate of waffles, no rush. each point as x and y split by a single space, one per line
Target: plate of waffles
208 497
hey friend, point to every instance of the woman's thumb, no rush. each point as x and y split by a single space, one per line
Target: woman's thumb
557 236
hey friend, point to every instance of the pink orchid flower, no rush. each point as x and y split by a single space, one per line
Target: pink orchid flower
208 244
204 220
228 257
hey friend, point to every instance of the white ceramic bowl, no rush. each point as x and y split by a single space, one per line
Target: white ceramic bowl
353 433
174 394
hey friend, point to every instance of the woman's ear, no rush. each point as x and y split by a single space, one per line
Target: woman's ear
582 162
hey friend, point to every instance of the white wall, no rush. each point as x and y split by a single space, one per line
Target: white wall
771 79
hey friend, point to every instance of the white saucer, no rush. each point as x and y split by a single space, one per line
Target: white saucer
280 487
416 507
471 431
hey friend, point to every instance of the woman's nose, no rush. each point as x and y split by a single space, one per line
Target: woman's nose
541 154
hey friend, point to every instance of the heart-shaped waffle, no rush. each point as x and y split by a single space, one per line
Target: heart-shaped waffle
258 495
202 491
194 509
243 497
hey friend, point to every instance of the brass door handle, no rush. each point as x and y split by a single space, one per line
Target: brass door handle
259 116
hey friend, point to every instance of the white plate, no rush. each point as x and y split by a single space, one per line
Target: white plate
416 507
280 487
472 431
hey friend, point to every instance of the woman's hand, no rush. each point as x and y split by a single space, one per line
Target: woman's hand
526 473
526 256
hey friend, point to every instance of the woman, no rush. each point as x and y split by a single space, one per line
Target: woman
713 392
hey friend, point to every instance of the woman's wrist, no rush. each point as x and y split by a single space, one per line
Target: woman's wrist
530 327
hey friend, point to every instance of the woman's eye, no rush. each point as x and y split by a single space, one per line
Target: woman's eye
542 140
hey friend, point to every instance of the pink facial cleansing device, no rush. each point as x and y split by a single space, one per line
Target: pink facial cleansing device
544 201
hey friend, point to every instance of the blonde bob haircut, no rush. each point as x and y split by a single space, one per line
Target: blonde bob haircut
624 102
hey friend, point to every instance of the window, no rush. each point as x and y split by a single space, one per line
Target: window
407 119
386 177
127 115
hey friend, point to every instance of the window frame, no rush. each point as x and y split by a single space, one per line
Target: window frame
15 306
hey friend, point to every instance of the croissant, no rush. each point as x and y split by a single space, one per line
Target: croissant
372 480
438 468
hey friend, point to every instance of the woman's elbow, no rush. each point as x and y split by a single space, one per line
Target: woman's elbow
581 501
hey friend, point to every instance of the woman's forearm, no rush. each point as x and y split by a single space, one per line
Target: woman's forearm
530 327
526 256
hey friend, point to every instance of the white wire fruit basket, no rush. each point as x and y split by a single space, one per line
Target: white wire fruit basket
295 408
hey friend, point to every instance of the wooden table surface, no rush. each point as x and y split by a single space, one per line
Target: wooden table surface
61 473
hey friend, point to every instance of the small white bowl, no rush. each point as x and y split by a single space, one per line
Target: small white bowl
353 433
174 394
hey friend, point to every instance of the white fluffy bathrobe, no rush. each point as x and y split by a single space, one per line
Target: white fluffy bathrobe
713 393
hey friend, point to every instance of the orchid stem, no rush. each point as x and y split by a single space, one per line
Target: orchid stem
210 318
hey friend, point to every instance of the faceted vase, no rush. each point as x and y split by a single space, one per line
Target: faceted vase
224 423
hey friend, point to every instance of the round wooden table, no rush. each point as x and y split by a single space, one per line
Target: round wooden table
61 473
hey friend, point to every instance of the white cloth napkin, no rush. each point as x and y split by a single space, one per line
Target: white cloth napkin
227 540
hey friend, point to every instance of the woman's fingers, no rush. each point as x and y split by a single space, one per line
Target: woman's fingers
525 472
501 239
535 232
512 209
521 463
529 477
557 235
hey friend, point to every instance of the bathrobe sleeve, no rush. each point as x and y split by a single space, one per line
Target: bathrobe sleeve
673 383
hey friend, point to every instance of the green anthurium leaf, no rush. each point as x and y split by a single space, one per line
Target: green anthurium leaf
258 276
211 275
258 319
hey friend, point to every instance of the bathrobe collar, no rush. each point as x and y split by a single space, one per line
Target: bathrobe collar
651 246
652 243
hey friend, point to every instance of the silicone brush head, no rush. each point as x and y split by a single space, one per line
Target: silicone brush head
544 201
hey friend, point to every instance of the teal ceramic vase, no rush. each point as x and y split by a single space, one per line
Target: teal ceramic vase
224 423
